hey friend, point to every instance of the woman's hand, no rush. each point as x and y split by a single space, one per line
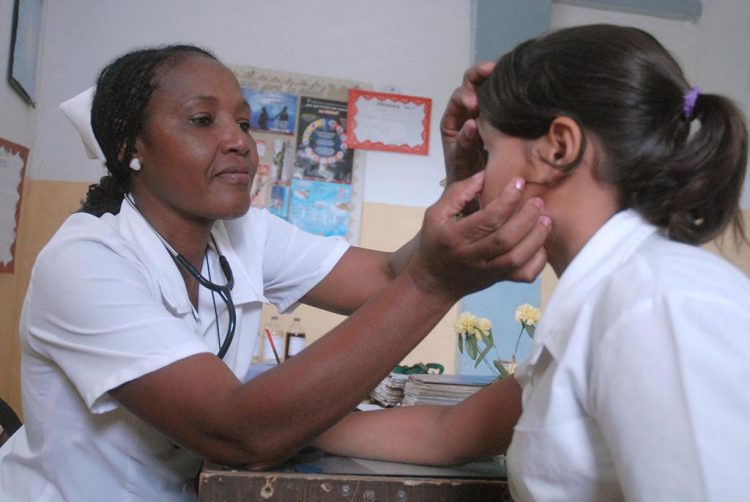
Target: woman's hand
462 146
460 254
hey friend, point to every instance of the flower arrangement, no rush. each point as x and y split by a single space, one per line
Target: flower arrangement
475 336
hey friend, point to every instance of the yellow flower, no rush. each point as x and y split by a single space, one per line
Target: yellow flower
465 323
483 324
527 315
475 338
468 324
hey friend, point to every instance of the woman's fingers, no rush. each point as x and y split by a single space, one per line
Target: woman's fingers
458 128
455 199
509 234
503 241
463 101
496 215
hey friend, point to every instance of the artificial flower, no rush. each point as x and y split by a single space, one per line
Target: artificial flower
475 336
527 314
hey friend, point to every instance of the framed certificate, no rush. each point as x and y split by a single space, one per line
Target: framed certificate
13 159
389 122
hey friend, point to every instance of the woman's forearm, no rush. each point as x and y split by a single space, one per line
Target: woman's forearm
398 259
327 380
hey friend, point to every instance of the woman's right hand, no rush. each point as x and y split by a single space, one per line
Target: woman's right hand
460 254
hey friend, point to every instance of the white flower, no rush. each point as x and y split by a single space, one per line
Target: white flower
527 315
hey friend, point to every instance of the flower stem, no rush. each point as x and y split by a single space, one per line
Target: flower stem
496 351
491 368
515 351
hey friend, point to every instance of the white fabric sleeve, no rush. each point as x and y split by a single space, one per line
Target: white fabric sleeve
669 392
99 316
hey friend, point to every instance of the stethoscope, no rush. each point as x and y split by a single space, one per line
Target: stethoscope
224 291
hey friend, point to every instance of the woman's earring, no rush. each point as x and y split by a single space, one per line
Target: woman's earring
135 164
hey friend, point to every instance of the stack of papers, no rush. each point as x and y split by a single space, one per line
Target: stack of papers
442 389
390 392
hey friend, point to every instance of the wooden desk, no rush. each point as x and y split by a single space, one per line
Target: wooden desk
342 479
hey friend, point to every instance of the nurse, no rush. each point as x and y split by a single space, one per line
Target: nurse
142 311
636 386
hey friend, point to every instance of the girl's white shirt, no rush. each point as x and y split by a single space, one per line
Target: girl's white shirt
636 387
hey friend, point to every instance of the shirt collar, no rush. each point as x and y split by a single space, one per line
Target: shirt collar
162 267
245 290
613 244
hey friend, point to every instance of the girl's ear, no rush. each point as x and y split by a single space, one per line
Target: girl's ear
560 149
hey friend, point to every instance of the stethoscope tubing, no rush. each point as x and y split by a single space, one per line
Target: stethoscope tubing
223 290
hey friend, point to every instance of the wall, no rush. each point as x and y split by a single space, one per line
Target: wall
420 47
16 125
520 20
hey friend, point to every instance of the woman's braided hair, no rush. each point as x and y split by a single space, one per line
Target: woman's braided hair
123 91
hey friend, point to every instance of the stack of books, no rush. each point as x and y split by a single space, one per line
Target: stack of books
407 390
442 389
390 392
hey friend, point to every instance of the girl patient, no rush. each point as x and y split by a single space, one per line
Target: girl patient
636 384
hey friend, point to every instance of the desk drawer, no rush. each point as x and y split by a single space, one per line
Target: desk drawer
221 486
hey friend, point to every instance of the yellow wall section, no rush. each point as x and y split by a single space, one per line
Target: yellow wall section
46 204
385 227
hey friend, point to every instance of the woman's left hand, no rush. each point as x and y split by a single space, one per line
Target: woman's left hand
502 241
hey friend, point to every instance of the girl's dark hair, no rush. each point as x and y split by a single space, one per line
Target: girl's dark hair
622 86
123 91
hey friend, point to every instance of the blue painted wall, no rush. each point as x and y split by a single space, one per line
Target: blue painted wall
498 304
499 25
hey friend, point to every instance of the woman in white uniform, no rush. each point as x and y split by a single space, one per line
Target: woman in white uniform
166 266
635 387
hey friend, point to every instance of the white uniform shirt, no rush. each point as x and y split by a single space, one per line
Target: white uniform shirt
106 304
637 384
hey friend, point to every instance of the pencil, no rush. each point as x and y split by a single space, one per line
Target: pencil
273 346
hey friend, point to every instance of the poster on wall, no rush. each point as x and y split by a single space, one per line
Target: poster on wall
320 207
13 159
307 173
322 152
271 110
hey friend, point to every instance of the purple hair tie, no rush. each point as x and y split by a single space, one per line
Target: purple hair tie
688 102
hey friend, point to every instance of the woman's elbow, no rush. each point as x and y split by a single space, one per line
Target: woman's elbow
254 453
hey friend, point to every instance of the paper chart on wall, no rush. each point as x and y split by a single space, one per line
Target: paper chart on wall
307 174
12 168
